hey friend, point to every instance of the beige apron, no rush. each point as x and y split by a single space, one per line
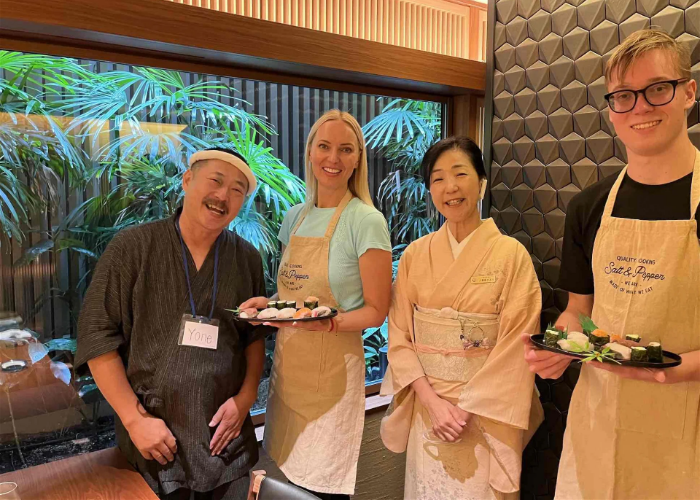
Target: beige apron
315 408
451 350
627 438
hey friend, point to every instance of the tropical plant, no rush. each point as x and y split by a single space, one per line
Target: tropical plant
136 130
403 132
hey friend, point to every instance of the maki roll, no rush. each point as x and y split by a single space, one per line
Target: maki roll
655 353
311 302
272 305
281 304
599 337
551 337
639 354
292 304
633 338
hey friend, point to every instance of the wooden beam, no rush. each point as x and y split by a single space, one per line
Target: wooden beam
215 38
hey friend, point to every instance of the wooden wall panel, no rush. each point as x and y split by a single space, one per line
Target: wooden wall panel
439 26
166 30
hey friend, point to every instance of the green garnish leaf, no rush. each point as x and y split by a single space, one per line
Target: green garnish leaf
587 324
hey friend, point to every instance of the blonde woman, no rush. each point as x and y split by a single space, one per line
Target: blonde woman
336 247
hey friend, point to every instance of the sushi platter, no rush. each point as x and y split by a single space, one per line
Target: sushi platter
282 311
594 344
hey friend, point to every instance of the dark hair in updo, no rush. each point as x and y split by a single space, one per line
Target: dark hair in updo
461 143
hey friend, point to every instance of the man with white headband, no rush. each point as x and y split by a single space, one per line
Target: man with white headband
178 371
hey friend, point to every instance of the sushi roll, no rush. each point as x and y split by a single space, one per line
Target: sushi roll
599 337
304 312
551 337
281 304
286 313
292 304
272 305
633 338
269 313
639 354
311 302
320 312
655 353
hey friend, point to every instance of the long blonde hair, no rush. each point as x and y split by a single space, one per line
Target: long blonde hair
359 180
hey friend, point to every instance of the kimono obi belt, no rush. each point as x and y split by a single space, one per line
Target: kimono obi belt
453 345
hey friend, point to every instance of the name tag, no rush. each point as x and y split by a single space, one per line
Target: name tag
480 280
199 332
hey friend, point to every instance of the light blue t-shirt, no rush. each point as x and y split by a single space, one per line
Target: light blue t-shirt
359 229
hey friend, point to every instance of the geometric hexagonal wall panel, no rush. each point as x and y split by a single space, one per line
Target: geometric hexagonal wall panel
591 13
634 23
604 37
589 68
574 96
551 48
692 19
671 20
539 25
587 121
525 102
576 43
536 125
516 31
513 127
619 10
650 8
506 10
537 76
515 79
561 123
526 53
561 72
526 8
564 19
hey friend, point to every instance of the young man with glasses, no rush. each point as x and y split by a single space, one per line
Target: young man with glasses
631 261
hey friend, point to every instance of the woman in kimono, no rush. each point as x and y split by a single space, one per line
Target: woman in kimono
464 401
336 247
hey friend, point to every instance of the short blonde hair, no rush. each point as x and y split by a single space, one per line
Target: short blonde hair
640 43
359 180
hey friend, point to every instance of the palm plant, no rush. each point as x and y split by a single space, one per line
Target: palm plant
34 148
403 132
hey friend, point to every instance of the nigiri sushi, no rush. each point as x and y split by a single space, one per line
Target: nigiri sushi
624 351
269 313
320 312
574 342
286 313
304 312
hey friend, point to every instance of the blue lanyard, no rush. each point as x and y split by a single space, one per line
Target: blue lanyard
187 272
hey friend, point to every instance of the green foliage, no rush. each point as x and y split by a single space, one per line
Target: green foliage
403 132
131 133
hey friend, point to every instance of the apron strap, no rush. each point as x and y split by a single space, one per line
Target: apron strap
334 220
612 196
695 187
336 215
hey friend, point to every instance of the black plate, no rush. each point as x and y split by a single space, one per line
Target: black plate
333 314
670 359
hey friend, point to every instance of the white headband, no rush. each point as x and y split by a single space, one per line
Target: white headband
228 158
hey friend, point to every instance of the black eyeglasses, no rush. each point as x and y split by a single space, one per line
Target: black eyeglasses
656 94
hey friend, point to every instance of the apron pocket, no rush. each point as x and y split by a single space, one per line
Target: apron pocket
654 409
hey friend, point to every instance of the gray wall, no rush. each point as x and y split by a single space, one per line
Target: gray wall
551 138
